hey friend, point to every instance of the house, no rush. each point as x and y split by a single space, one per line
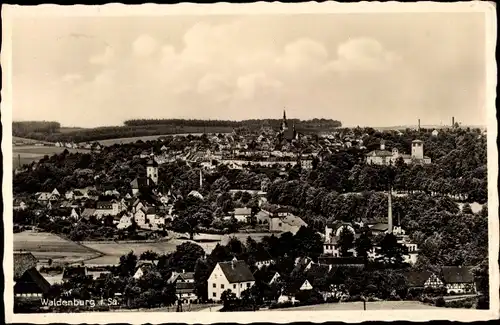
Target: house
141 184
124 222
74 214
106 208
418 279
19 205
142 267
288 223
87 213
435 133
28 282
263 217
196 194
458 279
234 275
74 272
243 214
43 196
184 286
261 262
385 157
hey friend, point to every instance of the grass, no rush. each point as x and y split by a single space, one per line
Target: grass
45 245
34 153
377 305
110 142
113 251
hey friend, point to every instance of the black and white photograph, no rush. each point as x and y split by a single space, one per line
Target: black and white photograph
253 161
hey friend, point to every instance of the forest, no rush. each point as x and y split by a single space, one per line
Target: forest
50 131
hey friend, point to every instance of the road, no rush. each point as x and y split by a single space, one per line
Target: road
211 309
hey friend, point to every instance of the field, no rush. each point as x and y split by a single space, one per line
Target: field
377 305
110 142
33 153
45 245
112 251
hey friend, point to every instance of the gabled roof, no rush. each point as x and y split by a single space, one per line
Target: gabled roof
380 153
236 271
152 163
417 278
31 281
23 261
88 212
140 182
184 287
457 274
71 272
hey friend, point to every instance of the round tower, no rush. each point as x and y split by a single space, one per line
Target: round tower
417 149
152 170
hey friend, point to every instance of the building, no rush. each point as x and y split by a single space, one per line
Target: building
243 214
184 286
74 272
234 275
385 157
458 279
28 282
334 230
141 184
152 171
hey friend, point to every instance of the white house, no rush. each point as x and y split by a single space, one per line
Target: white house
242 214
234 275
125 222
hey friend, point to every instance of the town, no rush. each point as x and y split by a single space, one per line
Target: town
256 219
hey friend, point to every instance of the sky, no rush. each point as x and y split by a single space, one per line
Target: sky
362 69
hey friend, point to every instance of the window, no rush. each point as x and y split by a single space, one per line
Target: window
248 285
214 294
234 286
215 286
222 286
241 285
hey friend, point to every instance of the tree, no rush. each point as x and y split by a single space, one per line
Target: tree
346 242
363 245
128 264
391 252
202 271
229 299
186 255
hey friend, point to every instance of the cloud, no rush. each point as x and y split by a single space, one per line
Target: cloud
103 58
363 54
144 46
71 78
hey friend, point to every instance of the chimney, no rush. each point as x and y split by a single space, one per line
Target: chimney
419 124
453 121
389 214
233 262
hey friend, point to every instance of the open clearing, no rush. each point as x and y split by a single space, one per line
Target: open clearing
110 142
112 251
45 245
30 153
377 305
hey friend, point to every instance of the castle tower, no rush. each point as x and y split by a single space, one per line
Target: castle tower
417 149
382 145
152 170
389 213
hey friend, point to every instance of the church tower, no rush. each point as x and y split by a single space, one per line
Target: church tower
152 170
284 124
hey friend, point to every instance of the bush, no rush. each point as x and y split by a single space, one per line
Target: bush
440 302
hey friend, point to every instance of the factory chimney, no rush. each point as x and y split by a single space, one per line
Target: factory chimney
389 213
453 121
419 124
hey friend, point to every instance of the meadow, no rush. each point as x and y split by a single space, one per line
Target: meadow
110 142
30 153
358 305
45 246
112 251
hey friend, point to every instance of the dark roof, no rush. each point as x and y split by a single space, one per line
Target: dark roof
88 212
140 182
457 274
293 287
236 271
23 261
103 204
380 153
31 282
330 260
416 278
71 272
184 287
152 162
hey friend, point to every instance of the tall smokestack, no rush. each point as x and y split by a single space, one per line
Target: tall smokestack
453 121
419 124
389 213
